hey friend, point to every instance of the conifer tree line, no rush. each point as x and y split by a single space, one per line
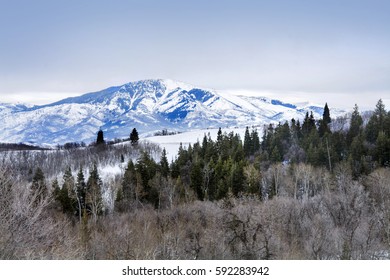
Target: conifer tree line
301 190
213 170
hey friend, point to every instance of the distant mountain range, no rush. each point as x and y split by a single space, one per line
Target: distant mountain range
148 105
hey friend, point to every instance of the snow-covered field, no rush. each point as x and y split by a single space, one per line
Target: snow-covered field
171 143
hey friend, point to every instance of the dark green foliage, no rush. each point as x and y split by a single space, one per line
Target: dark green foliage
56 190
251 142
214 170
127 193
80 193
355 125
147 168
237 178
275 155
255 142
377 134
129 182
219 140
93 195
164 165
326 115
253 181
100 138
382 150
38 186
376 123
65 194
196 178
309 123
222 175
134 137
356 157
247 143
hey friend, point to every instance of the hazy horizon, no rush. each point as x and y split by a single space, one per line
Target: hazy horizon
335 100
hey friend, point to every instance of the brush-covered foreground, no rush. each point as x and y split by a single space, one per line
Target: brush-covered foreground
305 191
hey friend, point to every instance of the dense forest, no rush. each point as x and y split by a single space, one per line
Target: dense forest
303 189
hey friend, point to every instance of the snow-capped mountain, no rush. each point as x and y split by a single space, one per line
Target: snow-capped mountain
148 105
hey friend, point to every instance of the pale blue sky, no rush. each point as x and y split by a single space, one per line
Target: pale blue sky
330 49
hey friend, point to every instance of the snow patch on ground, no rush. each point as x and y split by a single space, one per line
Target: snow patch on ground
171 143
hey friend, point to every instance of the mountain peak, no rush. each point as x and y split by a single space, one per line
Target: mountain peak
149 105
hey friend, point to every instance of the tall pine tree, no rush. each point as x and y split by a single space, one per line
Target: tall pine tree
164 165
38 187
80 193
134 137
324 123
247 143
355 125
93 196
100 137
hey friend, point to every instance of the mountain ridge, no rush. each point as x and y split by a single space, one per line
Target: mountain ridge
149 105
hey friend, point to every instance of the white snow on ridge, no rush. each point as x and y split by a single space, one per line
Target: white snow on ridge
172 85
149 105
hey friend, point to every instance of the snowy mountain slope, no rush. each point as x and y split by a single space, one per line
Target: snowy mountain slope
148 105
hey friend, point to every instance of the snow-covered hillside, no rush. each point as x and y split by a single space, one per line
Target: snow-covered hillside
148 105
171 143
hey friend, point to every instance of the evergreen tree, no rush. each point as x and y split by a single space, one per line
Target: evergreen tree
223 172
355 125
196 178
238 151
356 154
129 182
65 195
307 125
164 166
275 155
323 127
255 141
147 168
100 137
237 178
219 141
219 135
299 130
382 149
209 181
387 124
131 189
38 187
93 195
253 178
56 190
312 122
201 150
380 112
376 122
80 193
68 180
339 146
247 143
134 137
326 115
